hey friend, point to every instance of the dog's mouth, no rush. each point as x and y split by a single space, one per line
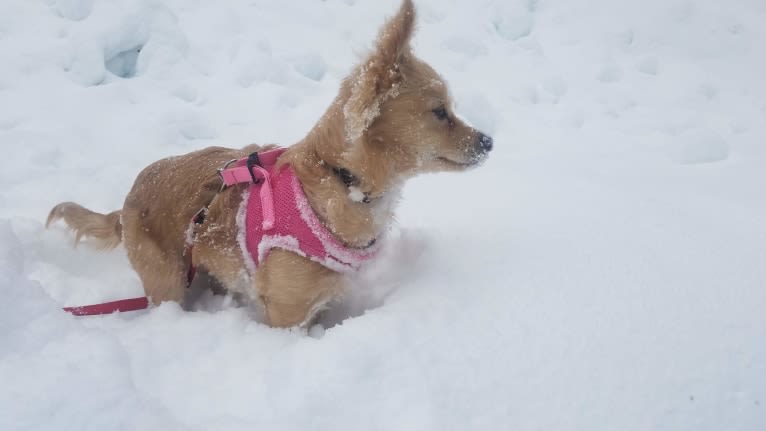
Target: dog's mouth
456 163
474 160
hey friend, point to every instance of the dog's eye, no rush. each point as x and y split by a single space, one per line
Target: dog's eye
441 113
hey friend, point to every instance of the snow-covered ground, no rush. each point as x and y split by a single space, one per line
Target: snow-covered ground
604 270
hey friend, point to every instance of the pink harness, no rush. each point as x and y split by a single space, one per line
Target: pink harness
281 217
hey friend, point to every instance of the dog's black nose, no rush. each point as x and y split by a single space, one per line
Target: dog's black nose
485 142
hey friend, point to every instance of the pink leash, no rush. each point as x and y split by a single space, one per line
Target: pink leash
245 171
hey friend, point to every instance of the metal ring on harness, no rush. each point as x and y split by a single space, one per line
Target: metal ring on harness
220 173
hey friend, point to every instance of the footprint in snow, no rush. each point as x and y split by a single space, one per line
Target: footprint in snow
700 146
75 10
466 47
609 73
648 65
311 66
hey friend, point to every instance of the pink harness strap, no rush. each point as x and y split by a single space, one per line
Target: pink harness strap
282 218
242 172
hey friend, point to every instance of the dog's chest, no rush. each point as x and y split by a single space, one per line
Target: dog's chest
295 227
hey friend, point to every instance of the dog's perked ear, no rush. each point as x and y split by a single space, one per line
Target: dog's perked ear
378 77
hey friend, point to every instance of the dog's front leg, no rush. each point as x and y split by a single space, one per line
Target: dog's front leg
293 289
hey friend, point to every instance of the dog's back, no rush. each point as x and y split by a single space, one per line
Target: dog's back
156 216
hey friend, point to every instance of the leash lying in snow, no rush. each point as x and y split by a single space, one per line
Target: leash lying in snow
131 304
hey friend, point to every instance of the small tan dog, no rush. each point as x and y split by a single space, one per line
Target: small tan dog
391 120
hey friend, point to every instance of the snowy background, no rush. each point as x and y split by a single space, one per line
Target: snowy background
604 270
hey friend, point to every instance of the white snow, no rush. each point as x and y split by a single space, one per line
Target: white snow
355 194
604 270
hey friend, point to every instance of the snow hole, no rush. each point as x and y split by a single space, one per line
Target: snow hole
123 63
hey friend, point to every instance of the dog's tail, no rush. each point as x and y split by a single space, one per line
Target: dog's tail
105 229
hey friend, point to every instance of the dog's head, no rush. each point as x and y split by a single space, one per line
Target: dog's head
398 117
